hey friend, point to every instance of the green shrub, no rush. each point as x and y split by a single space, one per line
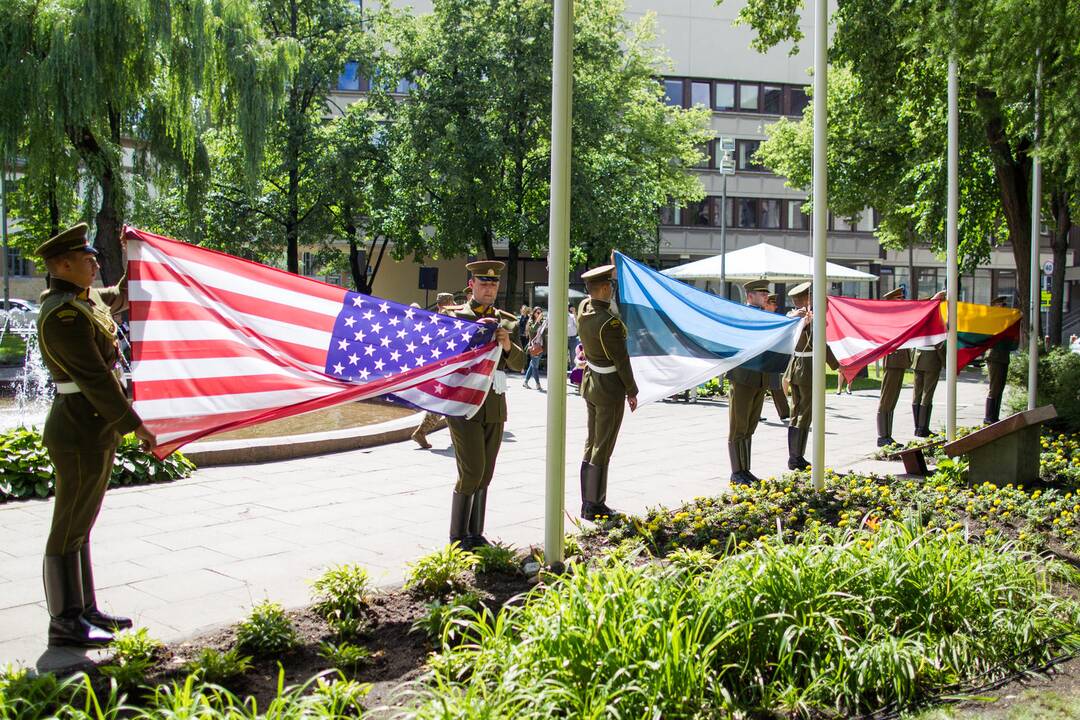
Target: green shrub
496 558
266 630
133 657
1059 385
341 597
27 697
26 471
440 619
442 572
839 627
214 666
344 655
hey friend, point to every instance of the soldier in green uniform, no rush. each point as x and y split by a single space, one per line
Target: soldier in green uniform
997 369
607 384
776 385
477 439
800 375
430 422
896 364
747 397
928 364
88 417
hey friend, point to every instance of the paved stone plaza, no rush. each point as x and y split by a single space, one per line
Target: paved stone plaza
196 553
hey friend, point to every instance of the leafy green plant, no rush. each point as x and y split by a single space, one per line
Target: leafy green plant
26 697
695 560
1059 385
133 657
266 630
951 470
496 558
442 572
439 618
215 666
26 471
341 597
344 655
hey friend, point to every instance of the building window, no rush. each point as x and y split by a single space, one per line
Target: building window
927 283
673 92
404 87
745 213
16 264
349 79
770 214
725 96
744 155
772 99
796 218
670 215
748 97
797 101
697 213
1005 284
699 93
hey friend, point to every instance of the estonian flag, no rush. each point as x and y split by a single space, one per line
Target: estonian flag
679 337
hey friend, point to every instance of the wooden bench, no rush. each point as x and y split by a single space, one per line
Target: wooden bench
1007 451
915 460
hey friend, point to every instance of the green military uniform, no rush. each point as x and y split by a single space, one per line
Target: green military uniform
477 439
997 370
88 417
744 411
431 421
928 364
892 380
800 376
608 381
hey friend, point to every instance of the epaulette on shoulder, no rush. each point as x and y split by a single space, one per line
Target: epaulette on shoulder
504 315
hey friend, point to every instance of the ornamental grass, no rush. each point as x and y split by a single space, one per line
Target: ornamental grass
835 624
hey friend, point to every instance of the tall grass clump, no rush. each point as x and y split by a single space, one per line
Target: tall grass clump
837 625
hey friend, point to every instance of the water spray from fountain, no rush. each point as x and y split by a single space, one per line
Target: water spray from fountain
33 387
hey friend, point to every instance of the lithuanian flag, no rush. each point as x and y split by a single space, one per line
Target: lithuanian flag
980 327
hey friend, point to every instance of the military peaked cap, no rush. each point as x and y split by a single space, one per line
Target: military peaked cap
894 294
756 286
486 269
604 272
799 289
74 238
449 297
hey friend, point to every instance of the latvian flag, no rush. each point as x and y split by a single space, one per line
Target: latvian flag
861 331
220 343
679 336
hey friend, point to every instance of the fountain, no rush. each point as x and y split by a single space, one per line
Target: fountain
33 389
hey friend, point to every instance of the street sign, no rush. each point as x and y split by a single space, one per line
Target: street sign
1048 267
1045 299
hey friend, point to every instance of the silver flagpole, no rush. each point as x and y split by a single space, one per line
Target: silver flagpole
821 219
558 275
1036 212
952 290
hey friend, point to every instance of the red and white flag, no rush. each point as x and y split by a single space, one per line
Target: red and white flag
220 343
860 331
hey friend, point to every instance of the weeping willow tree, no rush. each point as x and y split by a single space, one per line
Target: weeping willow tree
128 85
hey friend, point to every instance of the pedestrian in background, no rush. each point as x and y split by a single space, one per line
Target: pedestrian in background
571 337
537 344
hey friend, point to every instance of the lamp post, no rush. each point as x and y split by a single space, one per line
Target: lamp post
727 167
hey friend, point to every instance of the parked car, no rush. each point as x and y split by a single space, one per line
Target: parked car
19 304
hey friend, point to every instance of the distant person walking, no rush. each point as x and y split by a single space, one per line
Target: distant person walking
537 345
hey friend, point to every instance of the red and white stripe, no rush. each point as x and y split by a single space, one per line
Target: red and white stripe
859 332
219 342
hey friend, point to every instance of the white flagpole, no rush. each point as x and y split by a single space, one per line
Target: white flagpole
1036 212
558 274
952 289
821 219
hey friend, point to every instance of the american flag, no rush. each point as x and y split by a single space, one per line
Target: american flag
219 343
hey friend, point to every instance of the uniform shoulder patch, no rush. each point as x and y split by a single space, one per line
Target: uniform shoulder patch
66 315
616 323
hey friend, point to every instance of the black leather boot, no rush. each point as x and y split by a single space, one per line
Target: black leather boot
64 597
476 538
796 447
739 455
594 492
993 411
460 509
884 429
915 417
90 609
924 421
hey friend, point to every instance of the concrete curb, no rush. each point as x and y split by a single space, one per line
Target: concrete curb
258 450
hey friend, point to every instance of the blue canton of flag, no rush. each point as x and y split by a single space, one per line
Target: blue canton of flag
375 339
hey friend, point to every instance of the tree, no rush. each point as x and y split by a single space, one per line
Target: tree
471 157
894 50
112 80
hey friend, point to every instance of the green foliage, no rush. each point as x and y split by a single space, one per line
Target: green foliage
27 697
12 349
26 471
497 558
341 597
267 630
442 572
345 655
215 666
441 622
1059 385
841 627
950 470
133 656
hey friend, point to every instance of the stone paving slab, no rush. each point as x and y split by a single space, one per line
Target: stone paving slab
197 553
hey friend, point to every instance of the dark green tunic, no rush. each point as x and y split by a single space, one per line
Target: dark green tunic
77 337
477 439
603 338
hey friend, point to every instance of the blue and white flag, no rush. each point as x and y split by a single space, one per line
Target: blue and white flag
679 337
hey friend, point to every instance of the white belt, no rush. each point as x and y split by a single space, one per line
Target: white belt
803 353
600 370
67 388
498 382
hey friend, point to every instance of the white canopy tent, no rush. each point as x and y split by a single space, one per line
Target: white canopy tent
767 262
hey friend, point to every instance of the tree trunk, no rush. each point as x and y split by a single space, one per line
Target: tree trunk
108 219
513 257
292 217
1012 167
1059 243
359 276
